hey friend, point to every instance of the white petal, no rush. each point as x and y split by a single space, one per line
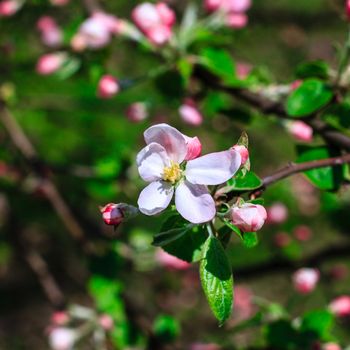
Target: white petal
170 138
151 161
155 197
194 203
213 168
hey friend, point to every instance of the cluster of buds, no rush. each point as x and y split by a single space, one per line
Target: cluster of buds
155 21
95 32
234 11
305 280
51 34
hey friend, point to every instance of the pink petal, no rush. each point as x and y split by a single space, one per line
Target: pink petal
170 138
151 161
213 168
194 203
155 197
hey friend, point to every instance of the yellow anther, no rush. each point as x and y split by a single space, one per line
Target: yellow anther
172 173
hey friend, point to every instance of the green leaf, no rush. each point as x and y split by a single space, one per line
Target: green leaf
170 84
281 335
218 62
338 116
185 68
233 228
318 322
310 96
167 328
248 182
217 280
327 178
181 239
314 69
250 239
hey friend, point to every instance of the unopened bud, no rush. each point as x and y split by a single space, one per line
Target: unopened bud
115 214
331 346
62 338
190 113
277 213
9 7
249 217
50 63
106 322
137 112
194 147
305 280
300 131
243 151
60 318
341 306
108 87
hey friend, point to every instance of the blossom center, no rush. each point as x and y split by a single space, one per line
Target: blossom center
172 173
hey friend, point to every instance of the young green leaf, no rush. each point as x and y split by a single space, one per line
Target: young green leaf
217 280
248 182
250 239
310 96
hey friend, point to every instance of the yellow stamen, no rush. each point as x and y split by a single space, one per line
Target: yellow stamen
172 173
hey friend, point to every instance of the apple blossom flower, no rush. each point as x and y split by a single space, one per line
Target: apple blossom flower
282 239
305 280
341 306
108 87
190 114
171 262
155 21
243 151
9 7
50 63
248 217
62 338
277 213
331 346
96 31
51 34
194 147
137 112
302 233
161 163
300 131
106 322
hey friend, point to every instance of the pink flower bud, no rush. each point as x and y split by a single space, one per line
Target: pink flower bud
300 131
243 70
9 7
305 280
106 322
60 318
108 87
52 37
78 42
59 2
347 9
194 147
112 214
282 239
277 213
249 217
295 84
159 35
212 5
237 6
302 233
190 114
137 112
166 14
243 151
236 20
331 346
341 306
46 23
171 262
95 33
62 338
146 16
50 63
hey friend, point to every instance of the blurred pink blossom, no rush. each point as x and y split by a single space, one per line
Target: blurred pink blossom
236 20
60 318
341 306
62 338
305 280
108 87
9 7
277 213
106 322
137 112
243 70
51 34
331 346
170 261
243 302
190 113
50 63
282 239
300 131
302 233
